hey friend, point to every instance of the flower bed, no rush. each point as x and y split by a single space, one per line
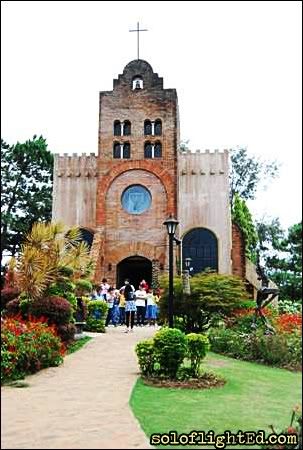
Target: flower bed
28 346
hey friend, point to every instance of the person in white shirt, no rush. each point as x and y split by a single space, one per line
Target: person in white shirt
141 305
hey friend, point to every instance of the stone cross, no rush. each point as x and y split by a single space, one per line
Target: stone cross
137 31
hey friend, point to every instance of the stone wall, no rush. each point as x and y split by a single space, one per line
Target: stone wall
74 190
203 198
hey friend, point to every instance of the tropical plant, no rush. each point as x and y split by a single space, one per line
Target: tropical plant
48 250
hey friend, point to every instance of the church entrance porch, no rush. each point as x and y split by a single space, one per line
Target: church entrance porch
136 268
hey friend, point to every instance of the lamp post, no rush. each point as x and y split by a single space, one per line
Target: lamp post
186 284
171 225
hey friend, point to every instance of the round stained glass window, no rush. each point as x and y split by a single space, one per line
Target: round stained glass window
136 199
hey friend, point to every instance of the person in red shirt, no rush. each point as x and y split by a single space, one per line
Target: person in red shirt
144 285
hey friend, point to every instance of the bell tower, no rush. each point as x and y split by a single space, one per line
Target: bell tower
137 171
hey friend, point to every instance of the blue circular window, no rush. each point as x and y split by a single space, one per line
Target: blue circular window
136 199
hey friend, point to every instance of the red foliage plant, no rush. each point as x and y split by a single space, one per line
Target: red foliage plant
289 323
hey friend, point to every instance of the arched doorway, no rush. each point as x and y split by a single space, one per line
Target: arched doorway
135 268
201 246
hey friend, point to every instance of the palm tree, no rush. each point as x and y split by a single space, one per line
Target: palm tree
51 254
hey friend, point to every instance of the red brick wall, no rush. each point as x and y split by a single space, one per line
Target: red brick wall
238 252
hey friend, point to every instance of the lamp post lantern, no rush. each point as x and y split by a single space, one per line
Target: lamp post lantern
171 225
186 283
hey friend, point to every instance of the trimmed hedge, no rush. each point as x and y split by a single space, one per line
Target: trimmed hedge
96 317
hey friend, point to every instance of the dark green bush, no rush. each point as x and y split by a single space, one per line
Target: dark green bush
170 350
84 286
96 317
212 296
146 357
197 347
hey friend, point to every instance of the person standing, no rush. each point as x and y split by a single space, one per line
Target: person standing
144 285
141 305
151 308
130 305
110 298
121 308
104 288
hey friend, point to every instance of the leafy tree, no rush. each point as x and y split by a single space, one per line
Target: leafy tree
212 295
26 190
243 218
282 255
247 173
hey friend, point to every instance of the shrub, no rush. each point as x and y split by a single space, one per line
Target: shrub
66 332
84 286
8 294
57 310
289 322
146 357
289 306
281 349
97 312
63 289
197 345
28 346
170 350
212 295
17 306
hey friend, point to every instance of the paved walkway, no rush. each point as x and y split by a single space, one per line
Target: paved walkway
82 404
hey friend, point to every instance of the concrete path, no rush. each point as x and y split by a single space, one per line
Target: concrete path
82 404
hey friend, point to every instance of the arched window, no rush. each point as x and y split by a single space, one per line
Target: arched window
158 150
87 236
137 83
158 127
126 150
148 150
147 128
127 128
201 246
117 128
117 150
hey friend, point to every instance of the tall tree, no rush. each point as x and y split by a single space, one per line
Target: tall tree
248 173
26 190
282 254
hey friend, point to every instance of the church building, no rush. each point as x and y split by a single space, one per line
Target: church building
121 197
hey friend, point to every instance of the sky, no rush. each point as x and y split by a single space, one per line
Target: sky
237 68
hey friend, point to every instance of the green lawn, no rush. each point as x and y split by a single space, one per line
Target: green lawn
254 397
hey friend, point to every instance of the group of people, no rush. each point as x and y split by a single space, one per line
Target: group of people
127 304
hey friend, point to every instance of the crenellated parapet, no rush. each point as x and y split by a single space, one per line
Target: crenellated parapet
203 163
76 165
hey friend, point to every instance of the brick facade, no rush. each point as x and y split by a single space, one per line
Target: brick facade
238 252
125 235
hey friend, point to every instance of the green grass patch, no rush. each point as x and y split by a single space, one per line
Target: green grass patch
254 397
78 344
